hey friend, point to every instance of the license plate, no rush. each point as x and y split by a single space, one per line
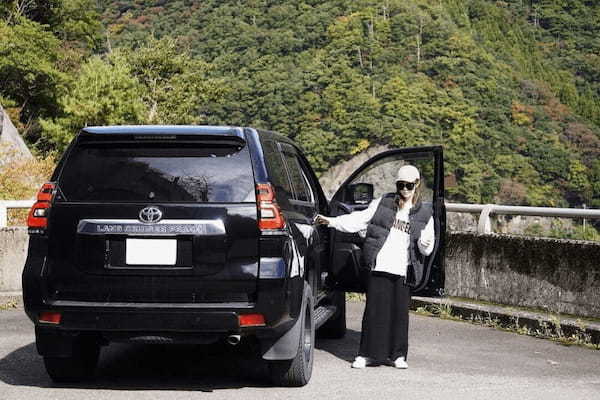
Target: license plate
150 251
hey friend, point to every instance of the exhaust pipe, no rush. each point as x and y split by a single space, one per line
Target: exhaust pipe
234 339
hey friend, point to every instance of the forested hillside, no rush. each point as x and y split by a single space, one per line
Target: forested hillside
510 88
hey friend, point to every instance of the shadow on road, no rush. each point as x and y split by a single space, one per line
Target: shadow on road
165 367
344 349
155 367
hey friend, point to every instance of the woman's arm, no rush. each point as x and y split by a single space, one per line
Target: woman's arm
353 222
426 241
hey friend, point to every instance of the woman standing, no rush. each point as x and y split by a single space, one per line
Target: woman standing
399 235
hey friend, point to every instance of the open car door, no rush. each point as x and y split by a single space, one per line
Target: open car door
371 180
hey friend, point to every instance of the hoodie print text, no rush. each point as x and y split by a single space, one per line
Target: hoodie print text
403 226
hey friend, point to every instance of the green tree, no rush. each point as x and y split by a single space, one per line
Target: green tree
29 58
154 84
176 87
105 93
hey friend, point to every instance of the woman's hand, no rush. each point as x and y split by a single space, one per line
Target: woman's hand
321 220
425 241
427 238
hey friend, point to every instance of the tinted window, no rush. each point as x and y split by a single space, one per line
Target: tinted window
161 172
308 174
301 190
277 173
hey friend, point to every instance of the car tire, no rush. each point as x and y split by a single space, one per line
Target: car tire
297 371
78 367
335 327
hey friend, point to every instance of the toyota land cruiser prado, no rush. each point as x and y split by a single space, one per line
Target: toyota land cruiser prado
196 234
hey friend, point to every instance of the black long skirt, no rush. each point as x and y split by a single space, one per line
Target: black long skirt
384 334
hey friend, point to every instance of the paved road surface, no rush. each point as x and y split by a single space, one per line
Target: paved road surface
448 360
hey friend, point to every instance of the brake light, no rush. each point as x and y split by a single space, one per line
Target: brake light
252 320
50 317
38 215
270 216
45 193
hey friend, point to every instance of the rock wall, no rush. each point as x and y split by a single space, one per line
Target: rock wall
9 137
333 178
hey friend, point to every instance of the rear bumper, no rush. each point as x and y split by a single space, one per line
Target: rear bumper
148 323
220 318
90 316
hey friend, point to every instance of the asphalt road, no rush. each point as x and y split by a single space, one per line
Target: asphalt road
448 360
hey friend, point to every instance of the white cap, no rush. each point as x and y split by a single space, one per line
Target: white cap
408 173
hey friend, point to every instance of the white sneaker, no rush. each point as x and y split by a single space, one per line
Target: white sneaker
400 363
359 362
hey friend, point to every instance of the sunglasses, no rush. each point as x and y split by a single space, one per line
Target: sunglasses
407 185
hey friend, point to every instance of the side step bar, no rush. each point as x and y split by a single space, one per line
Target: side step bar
323 313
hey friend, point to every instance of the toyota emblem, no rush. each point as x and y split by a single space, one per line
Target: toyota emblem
150 215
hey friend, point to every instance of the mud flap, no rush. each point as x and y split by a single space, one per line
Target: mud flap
286 347
54 343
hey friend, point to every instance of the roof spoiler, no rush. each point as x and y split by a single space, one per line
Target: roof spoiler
192 133
166 130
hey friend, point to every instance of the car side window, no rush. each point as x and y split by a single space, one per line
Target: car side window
279 177
302 191
309 183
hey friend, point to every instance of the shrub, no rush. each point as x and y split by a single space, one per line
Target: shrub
21 178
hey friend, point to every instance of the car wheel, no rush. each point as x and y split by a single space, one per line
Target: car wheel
79 366
297 371
335 327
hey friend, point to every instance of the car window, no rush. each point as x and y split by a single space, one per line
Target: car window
162 172
277 174
311 192
299 182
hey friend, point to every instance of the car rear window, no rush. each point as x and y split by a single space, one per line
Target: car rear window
160 172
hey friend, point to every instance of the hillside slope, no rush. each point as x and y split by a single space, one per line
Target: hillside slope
511 88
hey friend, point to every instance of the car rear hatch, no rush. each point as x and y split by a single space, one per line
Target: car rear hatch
155 217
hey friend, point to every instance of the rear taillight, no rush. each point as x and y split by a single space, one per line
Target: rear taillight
50 317
270 216
38 215
252 320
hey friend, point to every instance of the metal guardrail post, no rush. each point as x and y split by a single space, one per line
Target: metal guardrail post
485 224
3 216
485 210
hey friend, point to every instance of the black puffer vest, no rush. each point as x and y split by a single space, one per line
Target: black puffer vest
379 229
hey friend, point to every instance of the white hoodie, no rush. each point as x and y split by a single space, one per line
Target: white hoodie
393 257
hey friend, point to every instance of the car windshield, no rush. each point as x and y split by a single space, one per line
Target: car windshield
161 172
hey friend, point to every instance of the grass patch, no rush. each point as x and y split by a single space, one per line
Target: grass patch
550 330
351 296
9 305
443 311
17 217
526 309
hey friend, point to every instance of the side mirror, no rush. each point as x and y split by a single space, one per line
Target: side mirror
360 193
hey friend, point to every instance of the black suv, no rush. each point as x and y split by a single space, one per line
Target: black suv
198 234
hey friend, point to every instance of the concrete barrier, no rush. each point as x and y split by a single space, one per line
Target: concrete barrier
561 276
13 252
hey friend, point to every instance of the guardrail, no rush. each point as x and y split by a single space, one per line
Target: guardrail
484 210
6 204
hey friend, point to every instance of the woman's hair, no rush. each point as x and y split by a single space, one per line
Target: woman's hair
416 197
